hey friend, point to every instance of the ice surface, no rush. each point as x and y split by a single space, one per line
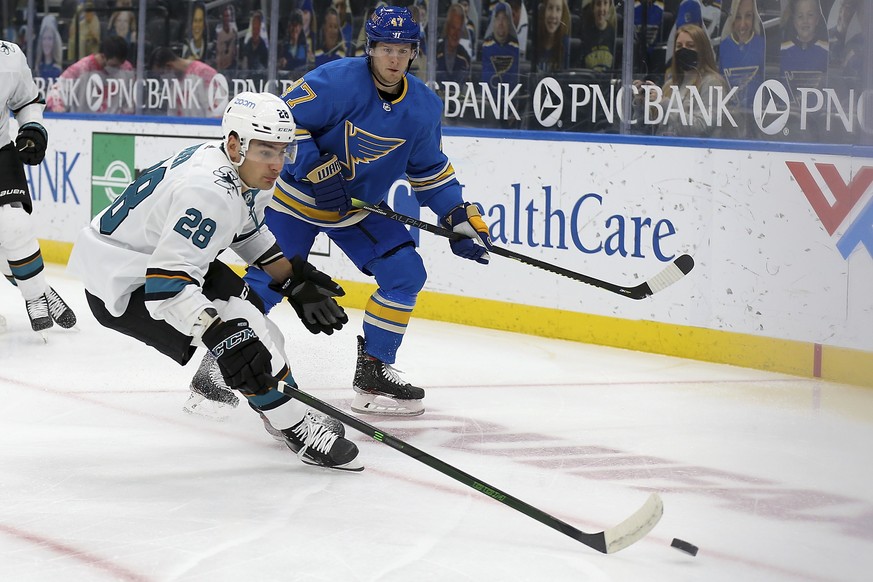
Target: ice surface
103 477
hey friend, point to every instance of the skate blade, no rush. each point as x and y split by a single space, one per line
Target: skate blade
197 405
385 406
353 466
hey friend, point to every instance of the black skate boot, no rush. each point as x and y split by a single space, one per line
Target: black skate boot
59 310
330 422
210 396
38 312
316 444
380 390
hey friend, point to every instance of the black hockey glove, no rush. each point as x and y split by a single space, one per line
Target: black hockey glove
31 143
466 220
328 185
311 293
244 361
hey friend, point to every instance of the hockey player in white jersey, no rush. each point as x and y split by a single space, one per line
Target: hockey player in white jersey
20 257
150 269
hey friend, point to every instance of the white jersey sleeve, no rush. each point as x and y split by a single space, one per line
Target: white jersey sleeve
162 234
17 88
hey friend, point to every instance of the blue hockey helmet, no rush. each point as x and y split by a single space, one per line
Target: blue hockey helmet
393 24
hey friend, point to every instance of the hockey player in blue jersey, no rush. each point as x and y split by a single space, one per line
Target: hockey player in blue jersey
363 123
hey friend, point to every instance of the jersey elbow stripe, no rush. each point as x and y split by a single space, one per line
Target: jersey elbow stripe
446 172
432 186
419 186
162 284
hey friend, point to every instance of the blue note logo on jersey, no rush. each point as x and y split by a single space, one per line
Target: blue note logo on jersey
363 147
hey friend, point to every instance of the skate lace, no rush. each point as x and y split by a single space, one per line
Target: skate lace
55 303
392 374
314 435
37 308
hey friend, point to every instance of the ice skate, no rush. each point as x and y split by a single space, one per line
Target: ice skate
317 444
210 396
58 309
380 390
329 421
38 312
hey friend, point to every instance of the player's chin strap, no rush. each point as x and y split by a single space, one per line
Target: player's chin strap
242 157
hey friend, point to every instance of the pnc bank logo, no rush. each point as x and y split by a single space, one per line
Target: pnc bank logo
94 92
845 197
771 107
548 102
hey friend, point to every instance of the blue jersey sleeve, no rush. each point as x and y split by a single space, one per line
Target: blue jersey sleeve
429 171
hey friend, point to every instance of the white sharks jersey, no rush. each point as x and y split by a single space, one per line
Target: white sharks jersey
165 230
17 88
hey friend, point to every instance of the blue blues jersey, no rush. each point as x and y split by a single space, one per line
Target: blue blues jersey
338 110
654 20
742 65
654 13
499 62
804 64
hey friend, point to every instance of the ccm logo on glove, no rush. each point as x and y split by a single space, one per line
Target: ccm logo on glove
231 342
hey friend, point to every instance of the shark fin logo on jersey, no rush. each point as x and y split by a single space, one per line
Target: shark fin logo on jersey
5 48
227 179
363 147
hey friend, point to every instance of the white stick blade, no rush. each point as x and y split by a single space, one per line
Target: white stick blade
674 271
636 527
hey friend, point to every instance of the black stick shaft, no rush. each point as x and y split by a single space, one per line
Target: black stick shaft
596 541
637 292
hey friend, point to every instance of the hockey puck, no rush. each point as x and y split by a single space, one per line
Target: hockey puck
684 546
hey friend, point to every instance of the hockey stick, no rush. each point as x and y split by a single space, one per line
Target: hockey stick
680 266
631 530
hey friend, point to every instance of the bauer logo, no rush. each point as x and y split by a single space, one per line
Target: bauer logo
112 168
548 102
771 107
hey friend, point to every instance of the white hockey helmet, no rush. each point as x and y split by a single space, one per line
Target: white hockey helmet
261 116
